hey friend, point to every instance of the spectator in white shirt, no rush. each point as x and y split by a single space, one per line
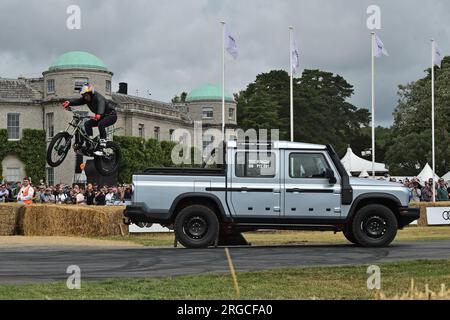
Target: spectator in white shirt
4 193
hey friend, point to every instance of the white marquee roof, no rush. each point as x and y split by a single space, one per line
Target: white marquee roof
426 174
355 164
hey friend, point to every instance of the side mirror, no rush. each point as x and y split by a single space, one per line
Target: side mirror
329 174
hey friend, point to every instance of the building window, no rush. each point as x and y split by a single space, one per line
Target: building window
108 86
141 131
171 131
208 113
79 82
13 126
51 86
231 114
157 133
51 176
50 125
13 174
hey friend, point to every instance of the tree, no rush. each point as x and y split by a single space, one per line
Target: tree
322 113
181 98
411 136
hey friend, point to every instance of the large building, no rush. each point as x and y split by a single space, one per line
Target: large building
36 104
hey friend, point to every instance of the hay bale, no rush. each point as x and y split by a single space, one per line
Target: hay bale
66 220
423 210
9 218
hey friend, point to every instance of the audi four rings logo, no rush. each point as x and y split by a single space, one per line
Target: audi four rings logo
446 215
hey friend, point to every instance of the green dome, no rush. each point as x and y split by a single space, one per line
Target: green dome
208 93
77 60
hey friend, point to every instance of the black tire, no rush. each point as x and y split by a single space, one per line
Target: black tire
62 142
348 234
196 226
375 226
108 165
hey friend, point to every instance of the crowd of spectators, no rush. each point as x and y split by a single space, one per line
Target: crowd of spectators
423 192
79 194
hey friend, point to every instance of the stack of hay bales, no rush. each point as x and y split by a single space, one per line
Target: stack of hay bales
423 209
10 215
63 220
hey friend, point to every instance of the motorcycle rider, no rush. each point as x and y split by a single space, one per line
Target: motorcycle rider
105 113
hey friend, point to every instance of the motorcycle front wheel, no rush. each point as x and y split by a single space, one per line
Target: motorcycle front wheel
58 149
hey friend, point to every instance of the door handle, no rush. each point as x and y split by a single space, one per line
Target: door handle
295 190
276 190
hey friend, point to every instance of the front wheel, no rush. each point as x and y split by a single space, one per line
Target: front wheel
196 226
58 149
375 226
348 234
109 163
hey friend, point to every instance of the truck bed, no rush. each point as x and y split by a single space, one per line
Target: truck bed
184 171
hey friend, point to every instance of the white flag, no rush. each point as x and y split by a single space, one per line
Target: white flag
230 44
295 57
437 55
379 48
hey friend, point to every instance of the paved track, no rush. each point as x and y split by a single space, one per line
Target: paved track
35 264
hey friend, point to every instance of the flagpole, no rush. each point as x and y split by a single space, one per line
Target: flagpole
373 105
291 83
223 80
433 62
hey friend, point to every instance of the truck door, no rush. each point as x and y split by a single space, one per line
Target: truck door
255 189
307 193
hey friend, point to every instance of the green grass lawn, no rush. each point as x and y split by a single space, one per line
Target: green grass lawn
293 237
296 283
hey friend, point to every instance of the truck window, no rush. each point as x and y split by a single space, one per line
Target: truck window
255 165
307 165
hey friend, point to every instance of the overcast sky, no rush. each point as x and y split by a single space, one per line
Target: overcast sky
167 47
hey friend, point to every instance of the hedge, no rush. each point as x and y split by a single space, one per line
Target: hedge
31 150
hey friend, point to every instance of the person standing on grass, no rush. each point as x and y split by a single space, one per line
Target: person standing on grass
26 193
90 195
4 194
78 196
416 192
427 193
441 193
100 197
61 196
111 197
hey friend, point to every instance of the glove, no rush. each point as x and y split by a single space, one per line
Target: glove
96 117
66 104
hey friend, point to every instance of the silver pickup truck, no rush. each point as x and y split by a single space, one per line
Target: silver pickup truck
286 186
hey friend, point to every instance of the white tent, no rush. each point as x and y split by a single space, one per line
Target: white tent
426 174
364 174
446 177
358 165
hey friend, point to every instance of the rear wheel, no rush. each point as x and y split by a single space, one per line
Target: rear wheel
109 163
375 226
196 226
58 149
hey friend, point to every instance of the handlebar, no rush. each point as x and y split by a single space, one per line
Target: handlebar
77 115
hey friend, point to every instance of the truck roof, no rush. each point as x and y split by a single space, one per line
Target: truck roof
278 145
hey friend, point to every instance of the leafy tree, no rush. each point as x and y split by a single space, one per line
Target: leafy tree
181 98
411 136
322 113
